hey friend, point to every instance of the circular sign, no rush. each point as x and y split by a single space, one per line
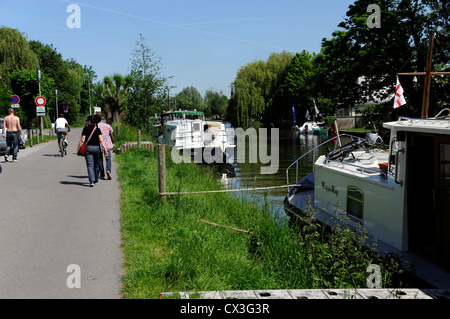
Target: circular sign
15 99
40 101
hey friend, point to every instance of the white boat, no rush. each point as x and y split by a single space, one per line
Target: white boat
189 131
400 195
308 127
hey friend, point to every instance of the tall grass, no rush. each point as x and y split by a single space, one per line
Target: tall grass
167 248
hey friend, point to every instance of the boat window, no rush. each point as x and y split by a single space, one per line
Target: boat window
355 203
196 126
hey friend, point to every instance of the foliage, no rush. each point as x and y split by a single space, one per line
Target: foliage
25 84
256 86
68 77
379 54
189 99
114 95
167 248
339 255
215 103
15 54
149 87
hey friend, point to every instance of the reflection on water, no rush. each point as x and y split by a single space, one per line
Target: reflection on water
292 145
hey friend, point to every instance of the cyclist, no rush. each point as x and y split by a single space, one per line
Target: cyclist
60 128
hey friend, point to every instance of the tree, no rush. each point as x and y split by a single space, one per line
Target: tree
298 85
25 84
379 54
15 54
216 103
255 91
148 90
114 95
68 76
190 98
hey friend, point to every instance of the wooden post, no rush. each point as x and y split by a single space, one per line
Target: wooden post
139 139
30 137
162 171
37 135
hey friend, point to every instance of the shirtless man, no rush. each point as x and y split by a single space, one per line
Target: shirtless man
12 124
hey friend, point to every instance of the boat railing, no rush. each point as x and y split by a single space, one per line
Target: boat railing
363 168
314 151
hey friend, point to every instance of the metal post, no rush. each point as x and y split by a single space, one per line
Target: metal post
40 117
56 97
89 87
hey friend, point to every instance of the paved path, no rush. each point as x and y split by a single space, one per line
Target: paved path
50 219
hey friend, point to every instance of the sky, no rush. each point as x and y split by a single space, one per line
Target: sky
201 43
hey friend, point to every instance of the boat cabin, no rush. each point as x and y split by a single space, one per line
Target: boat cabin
188 130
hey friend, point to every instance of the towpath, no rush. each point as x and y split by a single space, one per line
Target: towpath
56 232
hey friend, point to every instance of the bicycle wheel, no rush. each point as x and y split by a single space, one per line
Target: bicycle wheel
61 147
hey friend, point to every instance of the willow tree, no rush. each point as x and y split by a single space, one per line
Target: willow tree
15 55
114 94
255 88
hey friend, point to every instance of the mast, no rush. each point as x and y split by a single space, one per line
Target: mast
427 74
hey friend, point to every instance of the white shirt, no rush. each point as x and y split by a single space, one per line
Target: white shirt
60 123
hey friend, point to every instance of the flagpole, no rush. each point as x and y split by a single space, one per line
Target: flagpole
426 89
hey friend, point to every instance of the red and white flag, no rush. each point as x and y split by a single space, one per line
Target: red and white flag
399 98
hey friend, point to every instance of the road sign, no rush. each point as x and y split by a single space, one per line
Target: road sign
15 106
40 114
65 109
40 101
40 109
15 99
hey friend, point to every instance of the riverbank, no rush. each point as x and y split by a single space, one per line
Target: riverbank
169 247
181 244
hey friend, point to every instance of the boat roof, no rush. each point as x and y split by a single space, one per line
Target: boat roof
428 125
180 113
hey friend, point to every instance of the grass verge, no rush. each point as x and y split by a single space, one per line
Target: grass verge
168 249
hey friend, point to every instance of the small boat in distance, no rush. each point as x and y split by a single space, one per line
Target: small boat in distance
189 131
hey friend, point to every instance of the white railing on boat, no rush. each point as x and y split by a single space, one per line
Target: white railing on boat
437 122
314 150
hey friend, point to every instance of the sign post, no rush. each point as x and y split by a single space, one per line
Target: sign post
40 108
42 124
15 99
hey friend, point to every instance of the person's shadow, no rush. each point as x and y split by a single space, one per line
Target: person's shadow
86 184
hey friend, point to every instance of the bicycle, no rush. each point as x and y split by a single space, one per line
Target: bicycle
62 143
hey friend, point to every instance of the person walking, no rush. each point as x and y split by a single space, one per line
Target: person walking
108 137
94 139
12 127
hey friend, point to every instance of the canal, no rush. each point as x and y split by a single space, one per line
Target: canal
291 146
